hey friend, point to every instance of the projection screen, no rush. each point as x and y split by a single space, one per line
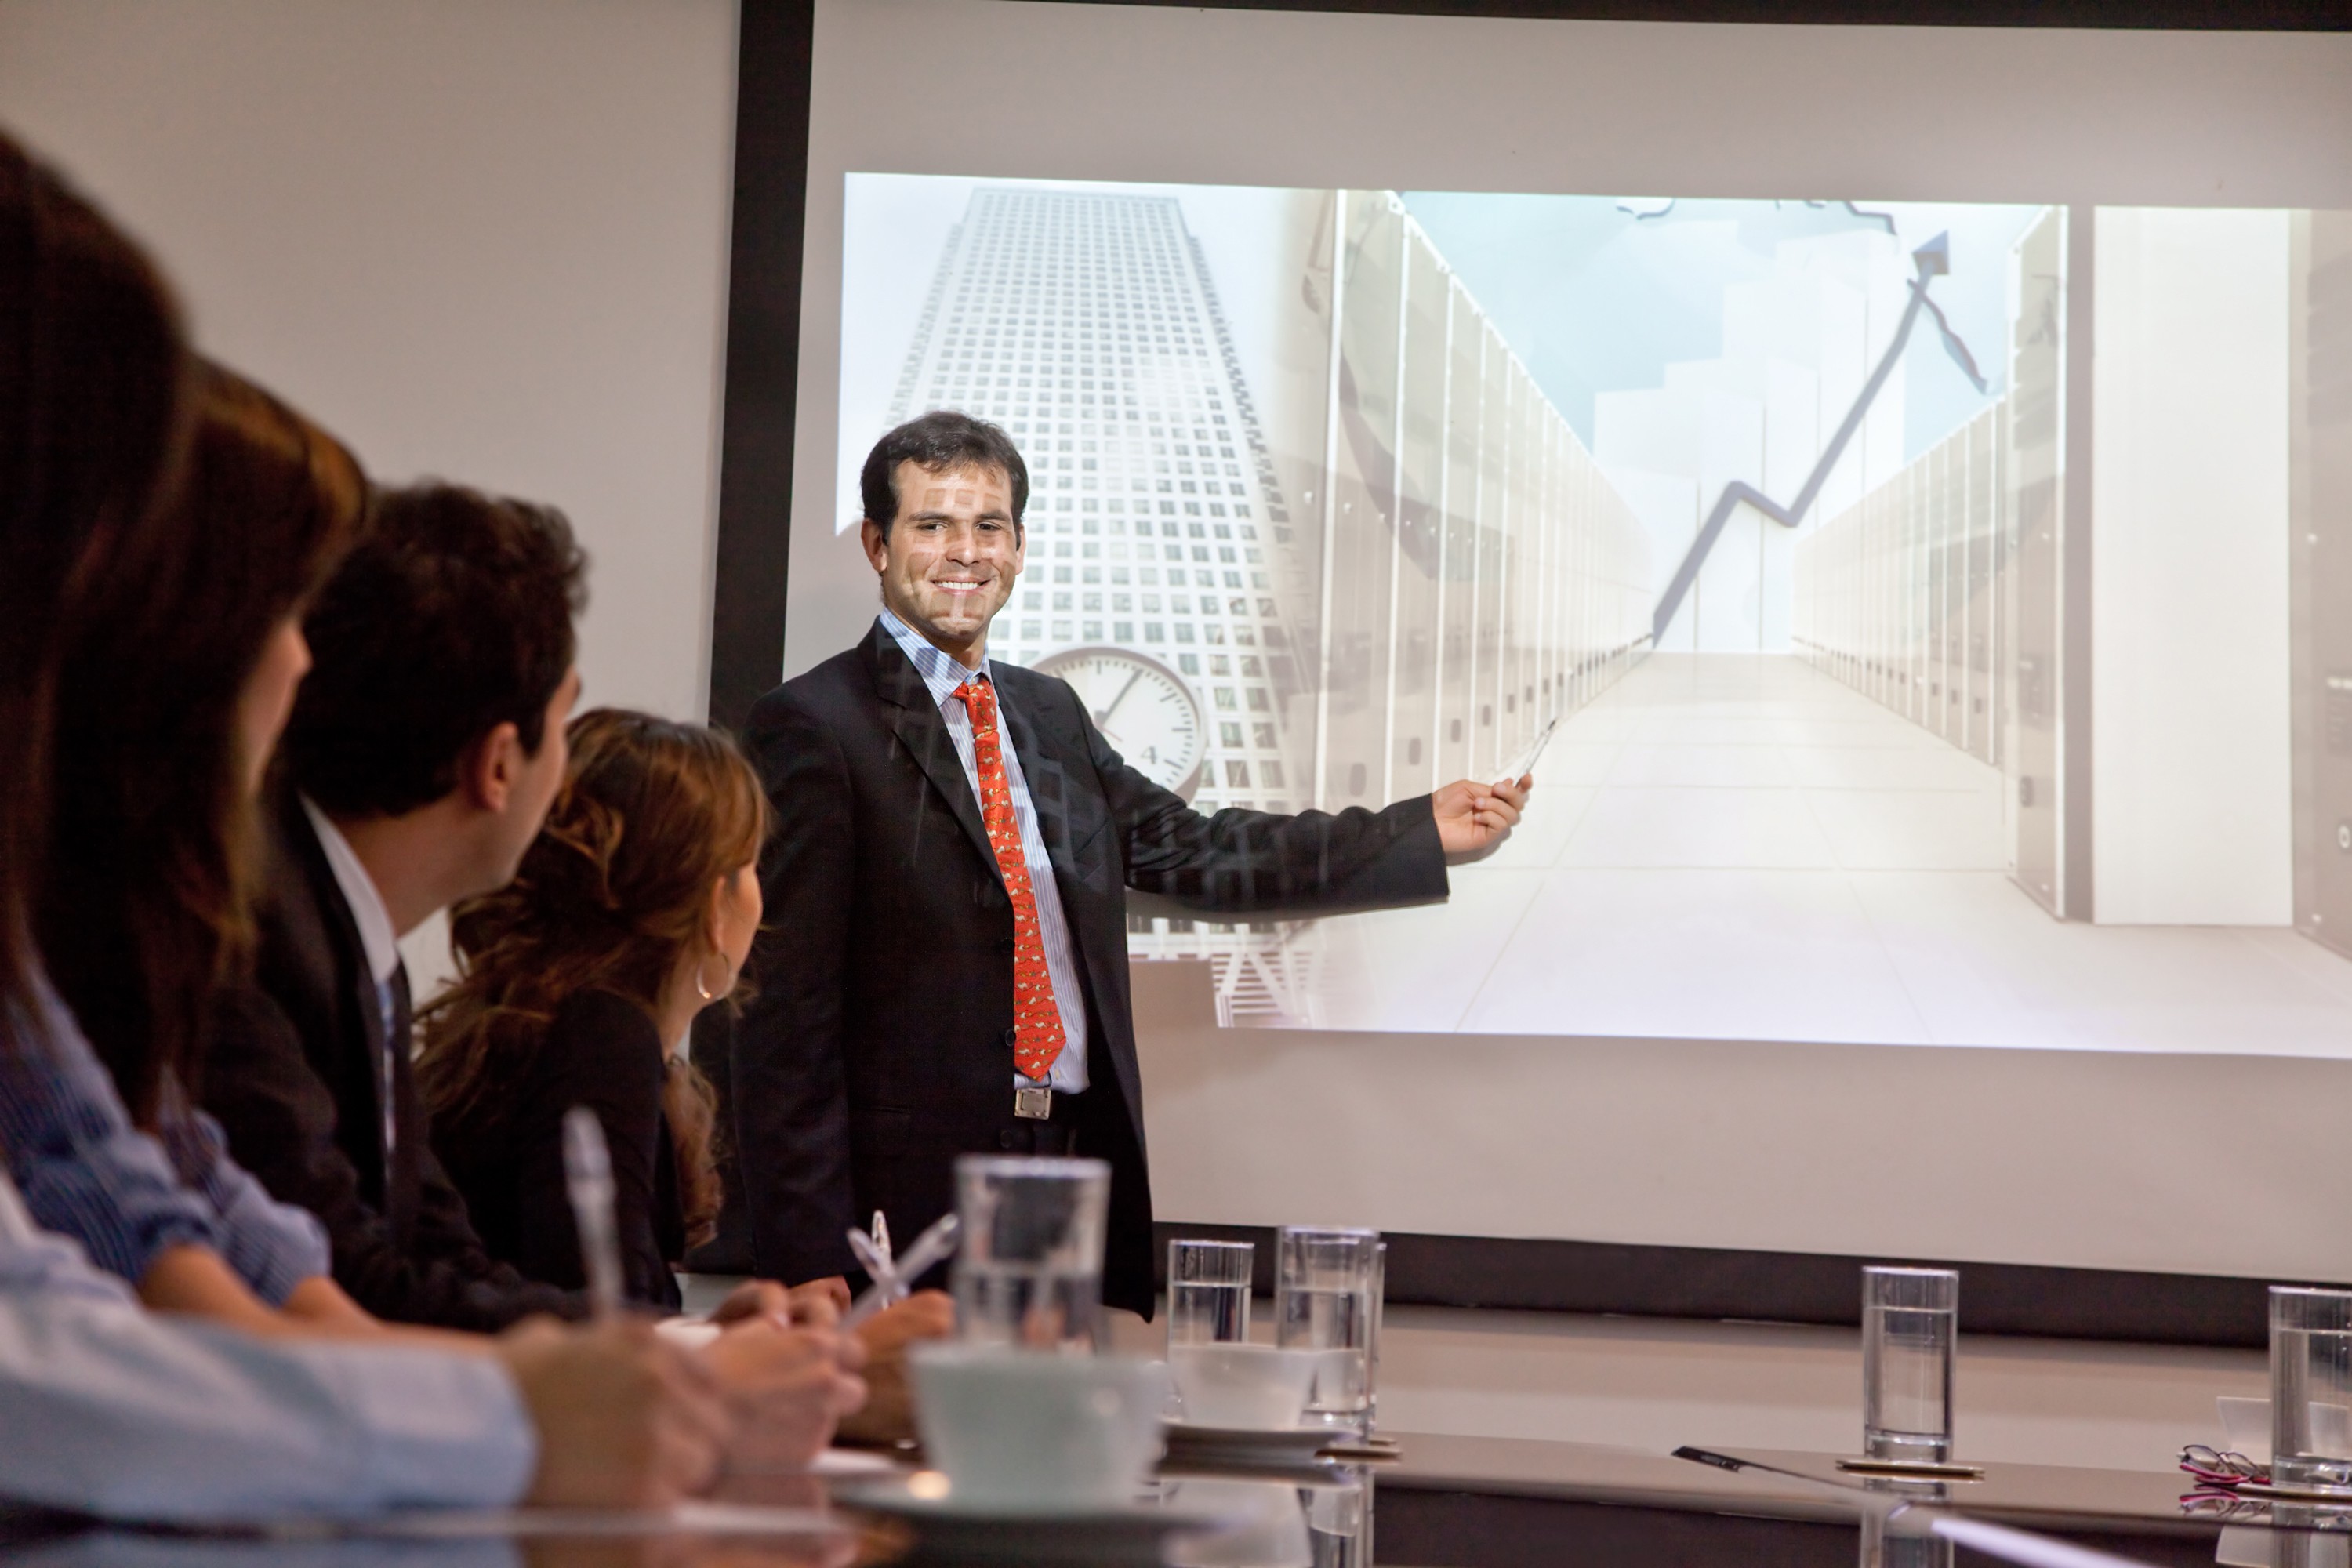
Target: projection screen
1894 478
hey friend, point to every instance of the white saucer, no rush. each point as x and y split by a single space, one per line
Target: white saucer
965 1533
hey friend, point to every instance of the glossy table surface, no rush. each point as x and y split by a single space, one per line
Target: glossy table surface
1443 1503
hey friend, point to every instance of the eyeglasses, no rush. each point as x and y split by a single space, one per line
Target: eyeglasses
2225 1507
2221 1467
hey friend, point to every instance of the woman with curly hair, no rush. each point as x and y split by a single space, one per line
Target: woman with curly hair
578 983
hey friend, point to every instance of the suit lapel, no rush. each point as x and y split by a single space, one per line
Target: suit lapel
347 957
924 735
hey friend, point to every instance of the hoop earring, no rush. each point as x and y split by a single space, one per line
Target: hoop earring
705 991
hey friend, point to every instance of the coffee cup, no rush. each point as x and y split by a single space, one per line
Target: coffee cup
1017 1431
1242 1386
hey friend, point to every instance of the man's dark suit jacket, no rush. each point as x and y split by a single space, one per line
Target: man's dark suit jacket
879 1045
292 1073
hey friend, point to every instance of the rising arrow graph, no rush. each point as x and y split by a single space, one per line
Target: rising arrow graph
1932 259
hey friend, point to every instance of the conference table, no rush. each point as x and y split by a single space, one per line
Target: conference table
1443 1503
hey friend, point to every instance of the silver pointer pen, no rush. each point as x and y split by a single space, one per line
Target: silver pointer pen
588 1180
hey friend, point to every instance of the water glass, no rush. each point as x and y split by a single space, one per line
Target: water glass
1209 1292
1373 1356
1327 1300
1910 1332
1340 1520
1904 1536
1028 1273
2311 1387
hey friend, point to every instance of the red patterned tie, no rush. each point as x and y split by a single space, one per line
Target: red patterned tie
1036 1022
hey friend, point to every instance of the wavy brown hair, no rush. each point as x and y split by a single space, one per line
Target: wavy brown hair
144 905
612 896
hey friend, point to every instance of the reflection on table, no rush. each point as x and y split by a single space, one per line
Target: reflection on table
1445 1502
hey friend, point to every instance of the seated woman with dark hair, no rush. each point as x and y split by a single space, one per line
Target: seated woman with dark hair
579 981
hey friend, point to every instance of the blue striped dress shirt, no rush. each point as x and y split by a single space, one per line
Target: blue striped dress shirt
942 675
84 1171
109 1409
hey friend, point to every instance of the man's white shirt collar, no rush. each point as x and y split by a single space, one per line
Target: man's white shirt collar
376 935
942 674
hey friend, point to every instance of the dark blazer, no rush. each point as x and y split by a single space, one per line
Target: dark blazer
879 1043
292 1073
602 1052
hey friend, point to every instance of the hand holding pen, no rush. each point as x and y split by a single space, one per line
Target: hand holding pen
893 1278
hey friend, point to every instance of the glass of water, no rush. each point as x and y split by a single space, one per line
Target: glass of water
1028 1274
2311 1388
1910 1332
1209 1292
1327 1300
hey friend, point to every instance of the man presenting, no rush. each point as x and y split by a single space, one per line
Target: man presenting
944 965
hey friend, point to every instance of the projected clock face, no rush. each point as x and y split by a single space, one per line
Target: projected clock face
1143 709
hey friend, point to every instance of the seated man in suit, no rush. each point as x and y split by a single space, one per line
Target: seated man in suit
424 750
943 968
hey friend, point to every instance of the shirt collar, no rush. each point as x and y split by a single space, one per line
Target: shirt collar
376 935
940 672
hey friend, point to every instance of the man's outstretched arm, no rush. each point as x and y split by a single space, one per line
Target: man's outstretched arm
1246 861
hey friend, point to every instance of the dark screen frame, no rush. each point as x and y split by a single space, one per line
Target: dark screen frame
762 386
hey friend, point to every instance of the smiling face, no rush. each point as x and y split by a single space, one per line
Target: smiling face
950 557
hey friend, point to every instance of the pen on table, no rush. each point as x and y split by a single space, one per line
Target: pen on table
588 1179
891 1285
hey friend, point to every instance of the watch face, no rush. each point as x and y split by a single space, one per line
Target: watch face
1143 709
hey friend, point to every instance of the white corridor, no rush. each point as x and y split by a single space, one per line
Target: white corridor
1739 847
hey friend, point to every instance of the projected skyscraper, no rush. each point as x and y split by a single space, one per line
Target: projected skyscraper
1159 578
1399 577
1088 325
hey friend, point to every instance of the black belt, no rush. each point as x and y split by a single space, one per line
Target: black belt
1055 1134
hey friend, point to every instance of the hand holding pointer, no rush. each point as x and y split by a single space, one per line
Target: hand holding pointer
1471 817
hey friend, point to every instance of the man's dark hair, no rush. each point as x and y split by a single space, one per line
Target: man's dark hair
940 440
452 618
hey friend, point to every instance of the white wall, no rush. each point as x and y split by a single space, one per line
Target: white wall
482 241
2189 724
486 242
1756 1143
2063 1158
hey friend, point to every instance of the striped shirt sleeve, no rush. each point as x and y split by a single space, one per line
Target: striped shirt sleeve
85 1171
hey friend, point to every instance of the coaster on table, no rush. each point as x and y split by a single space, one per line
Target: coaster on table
2335 1497
1913 1469
1373 1447
1250 1444
1091 1534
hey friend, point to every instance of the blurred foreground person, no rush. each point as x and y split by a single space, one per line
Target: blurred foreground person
104 1407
